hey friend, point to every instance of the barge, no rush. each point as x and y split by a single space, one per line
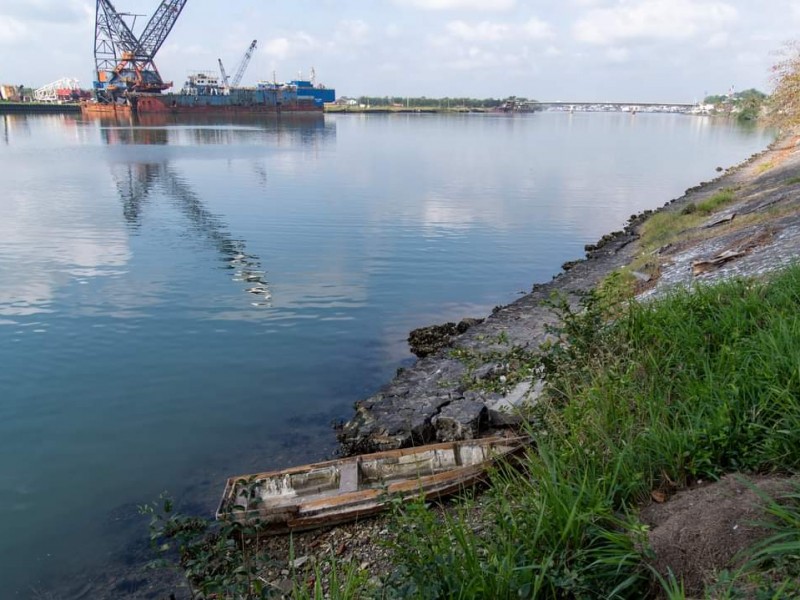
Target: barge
203 94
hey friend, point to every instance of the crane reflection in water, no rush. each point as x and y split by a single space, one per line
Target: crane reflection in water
135 182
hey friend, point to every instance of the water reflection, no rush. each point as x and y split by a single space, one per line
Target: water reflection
135 183
312 129
15 125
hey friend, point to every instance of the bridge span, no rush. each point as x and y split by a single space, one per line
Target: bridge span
632 107
614 104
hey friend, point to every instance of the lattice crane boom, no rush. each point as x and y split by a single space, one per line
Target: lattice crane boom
223 73
159 26
109 21
243 65
124 63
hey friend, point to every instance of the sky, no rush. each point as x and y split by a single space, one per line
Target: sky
556 50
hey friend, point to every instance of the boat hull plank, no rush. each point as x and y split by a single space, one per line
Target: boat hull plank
334 492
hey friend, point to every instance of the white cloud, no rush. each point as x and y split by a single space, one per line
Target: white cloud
48 11
12 31
482 32
352 32
485 45
618 55
278 48
393 31
487 31
537 29
483 5
652 19
284 47
718 40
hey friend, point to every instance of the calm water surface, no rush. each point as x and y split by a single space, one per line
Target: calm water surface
180 303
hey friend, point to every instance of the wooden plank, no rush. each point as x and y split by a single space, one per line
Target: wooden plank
348 477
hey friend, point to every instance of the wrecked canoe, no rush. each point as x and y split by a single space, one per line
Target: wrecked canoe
337 491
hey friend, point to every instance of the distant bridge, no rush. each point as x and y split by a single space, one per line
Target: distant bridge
609 106
619 104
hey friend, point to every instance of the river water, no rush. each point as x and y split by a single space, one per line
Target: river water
183 302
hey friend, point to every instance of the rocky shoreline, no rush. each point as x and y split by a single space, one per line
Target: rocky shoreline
767 199
436 399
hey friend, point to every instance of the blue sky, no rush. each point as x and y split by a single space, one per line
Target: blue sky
626 50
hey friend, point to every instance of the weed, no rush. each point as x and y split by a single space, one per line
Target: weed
638 397
221 560
712 203
496 370
330 582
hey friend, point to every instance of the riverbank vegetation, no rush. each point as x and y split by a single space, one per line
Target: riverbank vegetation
686 389
641 400
746 105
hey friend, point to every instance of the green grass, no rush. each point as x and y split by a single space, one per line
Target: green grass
639 397
699 384
662 228
716 201
665 226
671 227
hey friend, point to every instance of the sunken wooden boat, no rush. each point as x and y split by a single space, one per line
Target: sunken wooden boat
337 491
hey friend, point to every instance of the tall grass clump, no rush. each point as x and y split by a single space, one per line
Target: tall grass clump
703 382
661 228
718 200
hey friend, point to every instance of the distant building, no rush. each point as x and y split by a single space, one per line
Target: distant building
703 109
11 93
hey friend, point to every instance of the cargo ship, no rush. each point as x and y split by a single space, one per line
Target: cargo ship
204 94
308 88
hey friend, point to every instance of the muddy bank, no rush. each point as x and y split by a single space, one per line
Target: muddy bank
436 400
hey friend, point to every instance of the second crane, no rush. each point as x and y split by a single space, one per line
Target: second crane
237 78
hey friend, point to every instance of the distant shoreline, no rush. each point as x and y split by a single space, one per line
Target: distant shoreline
38 107
334 109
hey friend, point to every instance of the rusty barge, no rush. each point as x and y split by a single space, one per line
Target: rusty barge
128 82
203 94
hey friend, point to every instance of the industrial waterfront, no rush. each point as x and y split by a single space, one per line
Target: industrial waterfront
183 301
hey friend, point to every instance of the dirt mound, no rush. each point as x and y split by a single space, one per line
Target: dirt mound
701 531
